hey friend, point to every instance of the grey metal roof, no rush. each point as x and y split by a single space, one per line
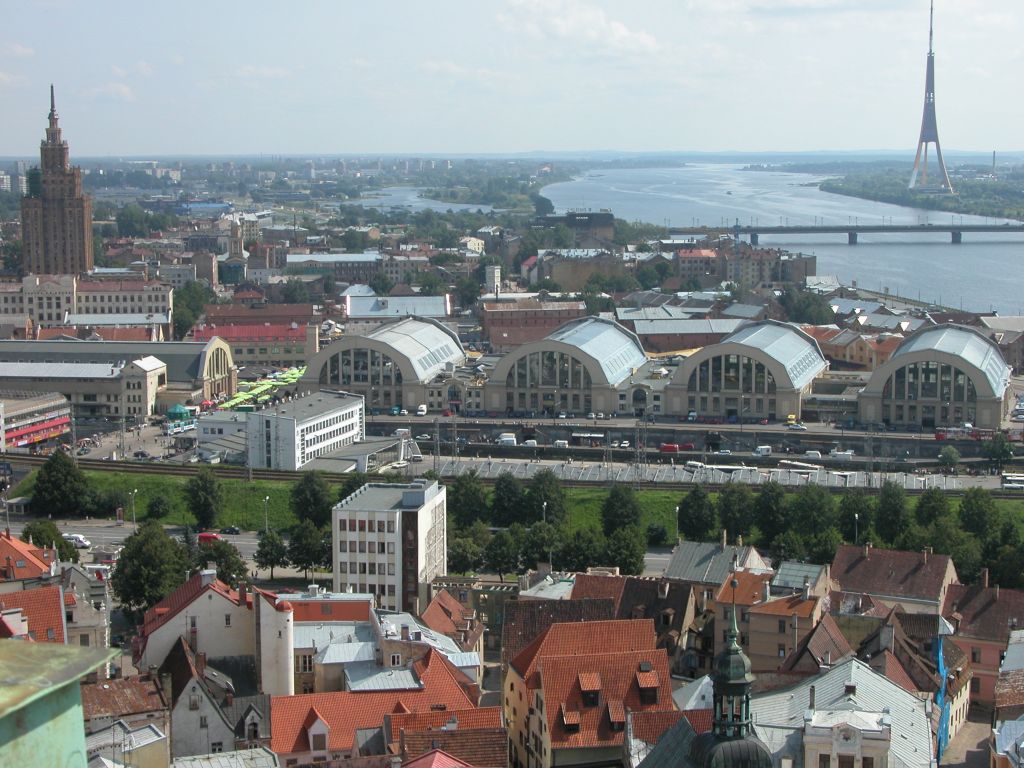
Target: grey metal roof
308 634
791 574
333 258
345 653
369 676
118 734
1014 657
673 748
261 757
397 306
43 370
428 346
963 342
358 289
705 562
797 352
616 350
122 319
680 326
850 690
1009 737
749 311
854 306
181 357
464 660
696 694
662 312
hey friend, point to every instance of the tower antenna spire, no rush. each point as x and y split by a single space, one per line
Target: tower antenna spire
53 102
929 128
931 25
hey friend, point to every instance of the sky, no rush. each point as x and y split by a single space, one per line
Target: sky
507 76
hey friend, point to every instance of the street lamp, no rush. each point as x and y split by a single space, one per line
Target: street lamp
677 525
266 514
134 524
856 528
544 510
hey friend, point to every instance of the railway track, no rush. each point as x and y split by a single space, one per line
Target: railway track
287 476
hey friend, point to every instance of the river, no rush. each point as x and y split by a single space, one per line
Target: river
980 274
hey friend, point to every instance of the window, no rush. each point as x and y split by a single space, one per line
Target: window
975 685
83 641
319 741
782 626
217 746
306 663
867 762
396 659
227 619
192 622
782 651
823 761
202 722
975 655
193 702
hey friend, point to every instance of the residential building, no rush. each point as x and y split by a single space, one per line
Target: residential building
242 314
56 216
291 434
1006 744
918 582
119 744
198 725
390 540
27 419
41 703
707 566
1009 688
24 560
345 267
477 736
35 614
777 626
527 620
485 596
131 701
509 324
567 693
447 615
983 617
739 593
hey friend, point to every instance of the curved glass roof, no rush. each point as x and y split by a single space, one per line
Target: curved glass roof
795 351
616 350
429 346
963 342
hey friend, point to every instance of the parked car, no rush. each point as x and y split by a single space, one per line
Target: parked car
208 537
796 426
141 454
591 415
231 530
423 437
77 539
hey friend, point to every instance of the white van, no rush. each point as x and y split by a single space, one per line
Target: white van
421 410
812 454
561 443
506 440
530 443
763 450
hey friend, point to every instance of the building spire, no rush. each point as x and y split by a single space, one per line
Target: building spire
931 24
53 107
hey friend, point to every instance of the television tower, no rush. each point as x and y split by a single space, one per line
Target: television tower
929 129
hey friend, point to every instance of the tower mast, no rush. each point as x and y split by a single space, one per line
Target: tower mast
929 127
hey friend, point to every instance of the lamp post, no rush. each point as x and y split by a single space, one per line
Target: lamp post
266 514
134 524
677 526
856 528
544 510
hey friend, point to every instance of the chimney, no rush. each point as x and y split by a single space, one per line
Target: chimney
201 664
739 540
229 698
807 588
997 593
207 575
152 672
165 687
810 698
724 538
984 578
767 592
243 592
405 631
887 637
663 589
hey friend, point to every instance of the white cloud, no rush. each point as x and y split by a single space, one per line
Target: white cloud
118 71
7 79
575 21
261 72
19 51
113 91
144 68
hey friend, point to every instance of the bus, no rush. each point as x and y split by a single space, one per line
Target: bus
1012 482
177 427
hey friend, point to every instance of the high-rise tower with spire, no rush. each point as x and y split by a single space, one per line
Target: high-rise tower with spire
56 217
929 128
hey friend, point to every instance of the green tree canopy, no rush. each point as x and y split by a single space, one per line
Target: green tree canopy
61 489
542 544
204 497
697 517
625 549
352 482
503 554
151 565
44 533
949 457
311 499
508 500
980 515
464 555
584 548
305 549
546 487
812 510
931 505
294 292
159 507
467 499
770 511
998 450
736 509
892 517
271 552
225 557
621 509
856 516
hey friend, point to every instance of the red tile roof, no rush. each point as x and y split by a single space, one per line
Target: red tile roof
526 620
345 712
590 585
465 719
444 614
21 560
43 608
987 613
600 637
120 697
887 665
326 609
650 726
481 748
787 606
251 332
749 588
890 572
619 691
436 758
1009 691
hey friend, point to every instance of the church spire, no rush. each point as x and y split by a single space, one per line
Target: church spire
732 680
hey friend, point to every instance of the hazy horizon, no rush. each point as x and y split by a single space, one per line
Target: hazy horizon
510 78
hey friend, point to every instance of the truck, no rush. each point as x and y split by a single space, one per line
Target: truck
763 450
506 438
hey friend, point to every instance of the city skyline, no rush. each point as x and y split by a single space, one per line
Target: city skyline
519 76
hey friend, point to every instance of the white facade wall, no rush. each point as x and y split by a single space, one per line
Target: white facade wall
222 628
290 441
198 726
276 656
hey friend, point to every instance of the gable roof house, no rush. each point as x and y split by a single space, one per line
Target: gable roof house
22 560
447 615
526 620
915 581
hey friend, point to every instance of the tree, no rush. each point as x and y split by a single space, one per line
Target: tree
468 291
151 565
467 499
812 510
949 457
294 292
305 547
204 497
507 500
311 499
620 509
891 517
61 489
503 553
381 284
431 284
464 555
931 505
159 507
271 552
979 514
736 509
697 516
225 557
546 487
44 533
770 511
625 550
353 482
856 516
998 450
132 221
584 548
540 544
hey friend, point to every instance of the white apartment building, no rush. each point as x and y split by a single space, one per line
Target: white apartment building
291 434
390 540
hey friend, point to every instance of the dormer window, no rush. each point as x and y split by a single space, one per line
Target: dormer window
648 682
570 719
590 688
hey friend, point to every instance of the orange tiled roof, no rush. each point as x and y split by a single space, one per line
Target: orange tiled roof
436 758
43 608
481 748
321 609
181 598
564 701
21 560
443 614
590 585
468 719
599 637
890 572
345 712
892 668
650 726
787 606
749 589
251 332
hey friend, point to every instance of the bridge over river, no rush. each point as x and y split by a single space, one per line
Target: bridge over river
956 231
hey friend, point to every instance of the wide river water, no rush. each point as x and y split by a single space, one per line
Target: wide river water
980 274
